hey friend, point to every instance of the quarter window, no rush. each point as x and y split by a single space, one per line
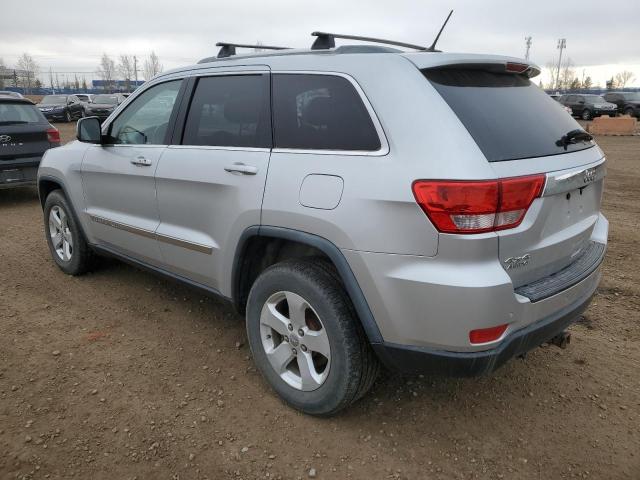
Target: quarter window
320 112
145 121
230 111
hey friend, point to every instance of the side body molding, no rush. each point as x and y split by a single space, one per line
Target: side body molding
329 249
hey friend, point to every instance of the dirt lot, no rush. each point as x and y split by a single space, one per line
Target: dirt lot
121 374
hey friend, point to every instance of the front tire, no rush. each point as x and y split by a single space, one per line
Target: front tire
66 241
586 114
306 339
67 116
629 111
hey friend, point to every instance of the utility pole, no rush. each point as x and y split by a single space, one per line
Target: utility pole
527 41
53 90
562 44
135 71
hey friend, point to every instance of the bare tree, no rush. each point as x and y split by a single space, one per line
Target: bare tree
587 82
2 73
107 71
152 66
624 77
28 71
126 69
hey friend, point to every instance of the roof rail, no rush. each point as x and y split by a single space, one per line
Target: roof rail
229 49
328 40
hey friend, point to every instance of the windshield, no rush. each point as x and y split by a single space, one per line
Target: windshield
508 116
83 98
12 113
53 99
106 99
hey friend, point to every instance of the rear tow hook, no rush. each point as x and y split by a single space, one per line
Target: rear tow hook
561 340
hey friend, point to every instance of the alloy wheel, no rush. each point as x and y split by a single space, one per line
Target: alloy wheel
295 341
61 236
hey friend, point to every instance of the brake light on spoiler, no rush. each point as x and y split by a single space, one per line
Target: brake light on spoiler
459 206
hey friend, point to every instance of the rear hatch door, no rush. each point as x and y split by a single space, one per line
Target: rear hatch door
23 131
519 129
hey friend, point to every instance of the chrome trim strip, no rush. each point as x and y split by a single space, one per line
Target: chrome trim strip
384 143
197 247
575 179
216 147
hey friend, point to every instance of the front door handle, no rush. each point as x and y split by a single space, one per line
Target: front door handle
141 161
241 168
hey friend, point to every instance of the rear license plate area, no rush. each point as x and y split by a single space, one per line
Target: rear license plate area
10 176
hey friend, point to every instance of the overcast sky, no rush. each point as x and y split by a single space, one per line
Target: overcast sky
72 35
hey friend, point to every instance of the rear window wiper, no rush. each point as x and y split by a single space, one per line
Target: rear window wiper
577 135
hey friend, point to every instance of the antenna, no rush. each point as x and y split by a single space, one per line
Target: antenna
432 48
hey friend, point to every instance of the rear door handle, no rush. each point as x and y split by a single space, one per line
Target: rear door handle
141 161
241 168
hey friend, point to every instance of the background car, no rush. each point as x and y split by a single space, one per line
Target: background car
7 93
25 134
588 106
85 98
628 103
102 105
61 107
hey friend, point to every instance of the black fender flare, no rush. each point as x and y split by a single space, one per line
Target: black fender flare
328 248
60 183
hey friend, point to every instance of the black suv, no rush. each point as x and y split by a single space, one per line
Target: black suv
61 107
25 134
628 102
588 106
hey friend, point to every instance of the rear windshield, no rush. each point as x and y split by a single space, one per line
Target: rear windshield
16 113
508 116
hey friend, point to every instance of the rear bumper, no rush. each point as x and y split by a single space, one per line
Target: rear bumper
409 359
15 173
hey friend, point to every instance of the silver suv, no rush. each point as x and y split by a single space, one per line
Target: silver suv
361 205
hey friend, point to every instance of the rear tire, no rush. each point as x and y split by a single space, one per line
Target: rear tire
292 303
586 114
67 244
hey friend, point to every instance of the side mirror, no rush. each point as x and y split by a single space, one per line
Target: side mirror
88 130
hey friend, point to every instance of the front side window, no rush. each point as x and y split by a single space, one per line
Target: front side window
229 111
320 112
145 121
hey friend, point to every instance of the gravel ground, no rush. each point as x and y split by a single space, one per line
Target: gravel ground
120 374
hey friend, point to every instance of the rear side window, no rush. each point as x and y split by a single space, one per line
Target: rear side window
320 112
230 111
17 113
508 116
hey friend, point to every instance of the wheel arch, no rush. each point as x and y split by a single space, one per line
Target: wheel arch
256 241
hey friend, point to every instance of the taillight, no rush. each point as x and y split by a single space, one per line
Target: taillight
53 135
512 67
485 335
457 206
